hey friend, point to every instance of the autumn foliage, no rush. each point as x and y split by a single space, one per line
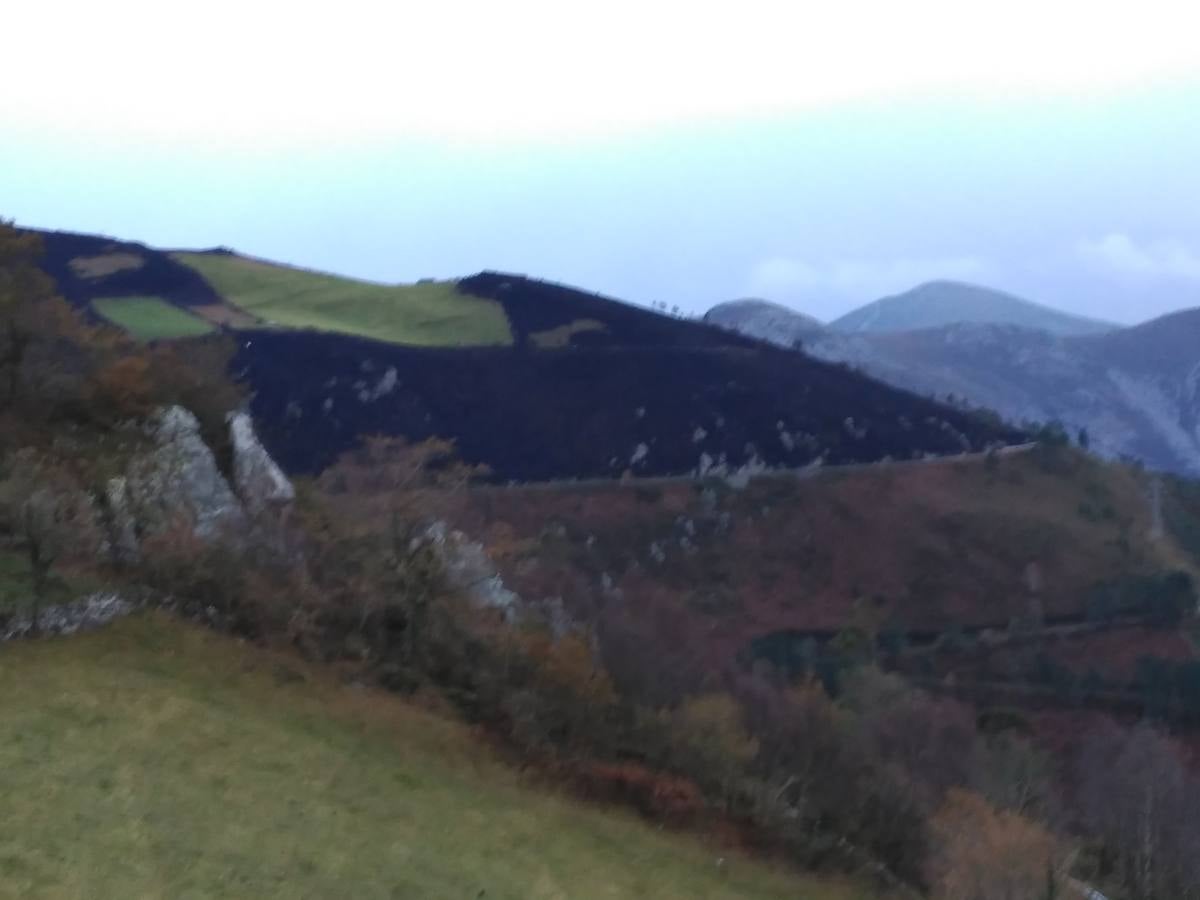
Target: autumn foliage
981 853
59 368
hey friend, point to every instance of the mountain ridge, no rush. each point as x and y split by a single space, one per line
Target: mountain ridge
1134 392
945 302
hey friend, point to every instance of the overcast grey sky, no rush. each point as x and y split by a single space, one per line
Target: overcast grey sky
653 154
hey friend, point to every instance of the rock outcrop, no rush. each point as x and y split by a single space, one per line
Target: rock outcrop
469 569
91 612
258 481
178 481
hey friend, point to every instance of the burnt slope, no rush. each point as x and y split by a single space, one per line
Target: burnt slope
592 388
536 306
587 412
148 272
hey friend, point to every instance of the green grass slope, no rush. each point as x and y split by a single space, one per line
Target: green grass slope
150 318
156 759
426 314
16 584
15 580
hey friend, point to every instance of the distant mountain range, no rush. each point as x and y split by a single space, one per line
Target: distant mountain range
535 380
938 303
1134 391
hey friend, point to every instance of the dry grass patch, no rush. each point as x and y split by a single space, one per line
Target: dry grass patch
93 267
554 338
225 316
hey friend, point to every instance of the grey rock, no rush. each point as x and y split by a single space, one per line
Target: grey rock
178 479
259 481
177 482
740 477
766 321
469 569
91 612
123 541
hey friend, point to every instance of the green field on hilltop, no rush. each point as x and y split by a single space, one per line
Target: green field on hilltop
157 759
431 313
150 318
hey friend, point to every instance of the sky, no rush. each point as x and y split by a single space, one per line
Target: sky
817 154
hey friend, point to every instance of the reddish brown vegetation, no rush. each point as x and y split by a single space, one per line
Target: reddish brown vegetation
666 798
918 550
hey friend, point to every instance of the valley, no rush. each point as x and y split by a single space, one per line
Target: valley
986 567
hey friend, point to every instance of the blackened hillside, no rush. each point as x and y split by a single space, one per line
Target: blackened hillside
134 269
587 412
591 388
538 306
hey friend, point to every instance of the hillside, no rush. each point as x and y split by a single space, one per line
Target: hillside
590 412
157 759
532 379
911 552
939 303
868 659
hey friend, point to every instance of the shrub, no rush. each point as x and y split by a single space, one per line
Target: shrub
667 798
980 853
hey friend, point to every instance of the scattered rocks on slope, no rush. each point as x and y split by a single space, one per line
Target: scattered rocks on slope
469 568
91 612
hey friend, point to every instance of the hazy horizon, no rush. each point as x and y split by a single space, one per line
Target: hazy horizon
672 157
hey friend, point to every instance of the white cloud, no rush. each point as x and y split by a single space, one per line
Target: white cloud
782 278
1160 259
248 72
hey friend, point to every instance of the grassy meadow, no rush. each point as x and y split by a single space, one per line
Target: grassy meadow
150 318
157 759
426 314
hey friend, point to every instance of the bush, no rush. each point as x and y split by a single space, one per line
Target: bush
662 797
980 853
